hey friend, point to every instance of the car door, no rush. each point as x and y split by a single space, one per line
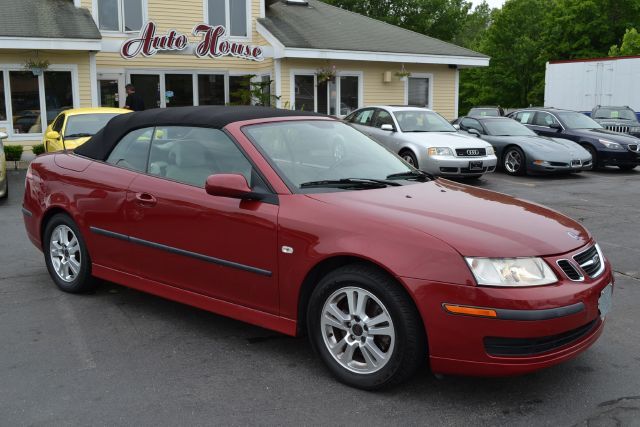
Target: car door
388 138
542 122
221 247
361 120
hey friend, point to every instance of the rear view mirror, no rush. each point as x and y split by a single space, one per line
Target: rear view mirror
228 185
387 127
456 126
3 136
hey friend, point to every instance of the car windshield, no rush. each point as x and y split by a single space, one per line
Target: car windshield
572 120
422 121
493 112
312 152
507 127
86 124
615 113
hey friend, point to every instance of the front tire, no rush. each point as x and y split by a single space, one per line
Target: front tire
514 162
409 157
66 256
365 328
594 156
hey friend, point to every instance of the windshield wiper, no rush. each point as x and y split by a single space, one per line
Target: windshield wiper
416 174
78 135
350 182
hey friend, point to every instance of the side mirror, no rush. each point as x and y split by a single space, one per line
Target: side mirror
227 185
475 132
555 126
387 127
456 126
52 134
3 136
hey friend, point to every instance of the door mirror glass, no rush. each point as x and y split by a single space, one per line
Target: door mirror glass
52 134
555 126
3 136
228 185
387 127
473 131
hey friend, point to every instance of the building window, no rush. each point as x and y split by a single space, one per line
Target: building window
25 102
232 14
59 93
178 90
120 15
304 92
349 94
240 90
418 91
211 89
3 107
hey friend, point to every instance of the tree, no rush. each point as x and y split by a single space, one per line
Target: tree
630 44
474 26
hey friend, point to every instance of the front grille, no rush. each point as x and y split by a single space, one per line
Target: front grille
467 170
558 164
590 261
569 270
617 128
633 147
471 152
497 346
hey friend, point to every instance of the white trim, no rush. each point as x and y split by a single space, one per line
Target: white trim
292 86
227 19
49 43
7 99
278 48
77 3
262 9
419 76
93 79
457 94
277 70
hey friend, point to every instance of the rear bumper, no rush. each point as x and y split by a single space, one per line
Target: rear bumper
565 321
458 166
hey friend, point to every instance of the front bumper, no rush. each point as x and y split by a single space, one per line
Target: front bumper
560 167
458 166
565 314
618 157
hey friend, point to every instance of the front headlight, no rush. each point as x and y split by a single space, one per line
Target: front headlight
440 151
490 151
610 144
511 271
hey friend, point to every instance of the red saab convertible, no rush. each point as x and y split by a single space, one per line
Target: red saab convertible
299 223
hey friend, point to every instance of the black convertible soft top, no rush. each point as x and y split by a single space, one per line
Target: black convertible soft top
216 116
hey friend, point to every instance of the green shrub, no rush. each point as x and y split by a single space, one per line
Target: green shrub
38 149
13 152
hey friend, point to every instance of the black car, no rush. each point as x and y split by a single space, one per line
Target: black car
617 119
607 148
486 110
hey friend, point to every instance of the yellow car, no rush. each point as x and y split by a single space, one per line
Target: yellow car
4 182
74 127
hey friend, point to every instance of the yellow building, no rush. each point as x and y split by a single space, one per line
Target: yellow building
303 54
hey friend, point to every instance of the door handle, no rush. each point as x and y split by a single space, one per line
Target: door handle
146 199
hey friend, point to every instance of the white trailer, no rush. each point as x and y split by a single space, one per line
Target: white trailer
582 84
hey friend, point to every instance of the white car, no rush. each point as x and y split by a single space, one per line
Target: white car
424 139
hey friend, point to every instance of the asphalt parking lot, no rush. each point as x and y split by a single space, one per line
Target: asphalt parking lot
121 357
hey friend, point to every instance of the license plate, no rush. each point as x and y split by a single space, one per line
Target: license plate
604 302
576 163
475 166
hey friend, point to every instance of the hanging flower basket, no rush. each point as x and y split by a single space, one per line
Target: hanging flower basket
326 74
37 66
404 75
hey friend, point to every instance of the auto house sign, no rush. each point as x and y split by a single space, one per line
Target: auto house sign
213 43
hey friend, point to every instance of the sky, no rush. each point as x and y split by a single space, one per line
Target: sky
492 3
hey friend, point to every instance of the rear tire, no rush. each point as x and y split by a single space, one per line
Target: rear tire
514 161
409 157
6 187
358 350
66 256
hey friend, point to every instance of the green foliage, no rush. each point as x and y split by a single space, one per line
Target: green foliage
630 44
13 152
38 149
254 93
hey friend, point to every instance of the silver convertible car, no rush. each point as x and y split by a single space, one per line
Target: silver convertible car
424 139
521 150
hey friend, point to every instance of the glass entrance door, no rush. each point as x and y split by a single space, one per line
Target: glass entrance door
109 96
147 86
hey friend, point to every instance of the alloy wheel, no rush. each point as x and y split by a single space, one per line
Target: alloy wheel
513 161
64 251
357 330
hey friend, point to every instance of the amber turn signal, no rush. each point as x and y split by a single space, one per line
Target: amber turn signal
470 311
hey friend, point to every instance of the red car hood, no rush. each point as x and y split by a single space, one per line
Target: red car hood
475 222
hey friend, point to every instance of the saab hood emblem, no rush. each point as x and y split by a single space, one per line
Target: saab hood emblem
573 235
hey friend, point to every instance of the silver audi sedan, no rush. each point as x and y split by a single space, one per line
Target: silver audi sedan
424 139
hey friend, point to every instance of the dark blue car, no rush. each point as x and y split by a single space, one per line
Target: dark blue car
607 148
